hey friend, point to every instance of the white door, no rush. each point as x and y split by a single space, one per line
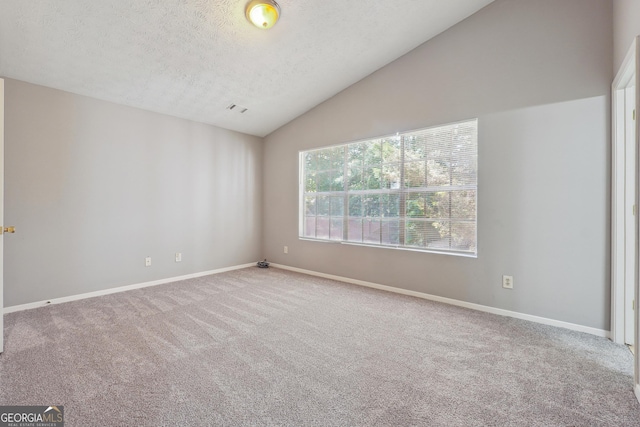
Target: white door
629 212
623 204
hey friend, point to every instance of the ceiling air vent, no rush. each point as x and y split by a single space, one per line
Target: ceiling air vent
237 108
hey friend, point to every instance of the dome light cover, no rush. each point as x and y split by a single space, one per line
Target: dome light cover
263 13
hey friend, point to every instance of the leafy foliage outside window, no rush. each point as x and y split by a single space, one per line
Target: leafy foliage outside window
416 190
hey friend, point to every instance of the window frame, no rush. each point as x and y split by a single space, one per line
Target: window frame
402 191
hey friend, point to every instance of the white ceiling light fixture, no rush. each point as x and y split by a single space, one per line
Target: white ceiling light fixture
263 13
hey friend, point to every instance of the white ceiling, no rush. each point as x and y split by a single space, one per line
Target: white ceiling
193 58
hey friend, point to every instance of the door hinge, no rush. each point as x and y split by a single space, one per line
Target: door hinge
634 114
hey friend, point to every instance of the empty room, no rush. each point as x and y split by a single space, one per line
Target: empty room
334 213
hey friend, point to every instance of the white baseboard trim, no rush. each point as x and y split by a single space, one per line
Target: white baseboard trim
636 389
109 291
479 307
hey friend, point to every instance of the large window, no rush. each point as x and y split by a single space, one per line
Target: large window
414 190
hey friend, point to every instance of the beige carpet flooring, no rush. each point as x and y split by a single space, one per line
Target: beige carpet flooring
267 347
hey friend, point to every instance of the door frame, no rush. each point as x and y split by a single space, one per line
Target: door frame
1 214
630 69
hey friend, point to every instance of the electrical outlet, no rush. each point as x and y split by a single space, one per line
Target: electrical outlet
178 256
286 249
507 282
147 261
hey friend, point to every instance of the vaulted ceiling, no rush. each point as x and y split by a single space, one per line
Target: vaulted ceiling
194 58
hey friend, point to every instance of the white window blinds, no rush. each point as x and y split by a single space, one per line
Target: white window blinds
416 190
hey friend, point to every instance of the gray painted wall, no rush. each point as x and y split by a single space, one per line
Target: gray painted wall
94 187
537 74
626 26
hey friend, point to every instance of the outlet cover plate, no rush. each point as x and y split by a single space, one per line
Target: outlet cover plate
507 282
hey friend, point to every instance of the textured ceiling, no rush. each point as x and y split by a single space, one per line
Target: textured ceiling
193 58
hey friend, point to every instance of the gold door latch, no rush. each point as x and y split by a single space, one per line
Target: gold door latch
11 230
